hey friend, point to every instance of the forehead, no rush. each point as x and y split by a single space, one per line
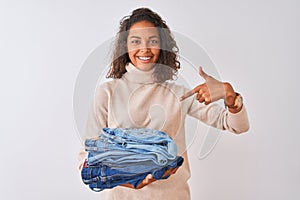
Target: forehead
143 29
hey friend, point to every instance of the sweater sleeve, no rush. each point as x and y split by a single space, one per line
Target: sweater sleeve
97 118
217 116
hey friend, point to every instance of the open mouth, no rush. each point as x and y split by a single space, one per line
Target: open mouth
144 58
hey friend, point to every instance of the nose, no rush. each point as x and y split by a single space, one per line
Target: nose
144 46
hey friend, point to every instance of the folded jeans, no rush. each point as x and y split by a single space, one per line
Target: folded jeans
122 146
100 177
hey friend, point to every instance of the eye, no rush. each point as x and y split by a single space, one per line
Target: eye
135 42
153 41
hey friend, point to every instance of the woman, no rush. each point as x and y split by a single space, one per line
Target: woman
142 95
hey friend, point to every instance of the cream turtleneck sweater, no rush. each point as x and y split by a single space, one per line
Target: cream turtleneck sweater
136 100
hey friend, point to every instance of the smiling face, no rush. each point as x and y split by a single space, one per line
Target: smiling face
143 45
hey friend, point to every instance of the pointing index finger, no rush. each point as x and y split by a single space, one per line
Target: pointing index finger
188 94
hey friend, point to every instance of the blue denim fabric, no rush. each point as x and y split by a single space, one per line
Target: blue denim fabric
123 146
122 160
100 177
127 155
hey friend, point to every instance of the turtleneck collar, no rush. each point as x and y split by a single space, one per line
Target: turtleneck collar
136 75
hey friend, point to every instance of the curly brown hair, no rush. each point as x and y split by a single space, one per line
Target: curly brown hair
168 53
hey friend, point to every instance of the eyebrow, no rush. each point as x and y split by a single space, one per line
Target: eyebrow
151 37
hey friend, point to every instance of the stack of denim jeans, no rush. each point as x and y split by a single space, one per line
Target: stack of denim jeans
127 155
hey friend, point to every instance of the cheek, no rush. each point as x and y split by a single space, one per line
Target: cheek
131 56
130 49
156 52
131 53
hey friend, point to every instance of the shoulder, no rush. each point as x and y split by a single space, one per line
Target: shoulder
108 84
106 87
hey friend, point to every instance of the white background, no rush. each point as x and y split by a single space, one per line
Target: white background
254 44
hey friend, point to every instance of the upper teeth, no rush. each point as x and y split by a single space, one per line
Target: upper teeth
144 58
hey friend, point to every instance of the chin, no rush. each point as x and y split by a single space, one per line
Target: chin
146 67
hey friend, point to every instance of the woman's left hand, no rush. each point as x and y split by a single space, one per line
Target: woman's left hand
212 90
149 179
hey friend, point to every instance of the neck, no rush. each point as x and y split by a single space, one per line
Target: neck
137 75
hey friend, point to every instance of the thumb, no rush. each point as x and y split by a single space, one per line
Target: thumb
203 74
